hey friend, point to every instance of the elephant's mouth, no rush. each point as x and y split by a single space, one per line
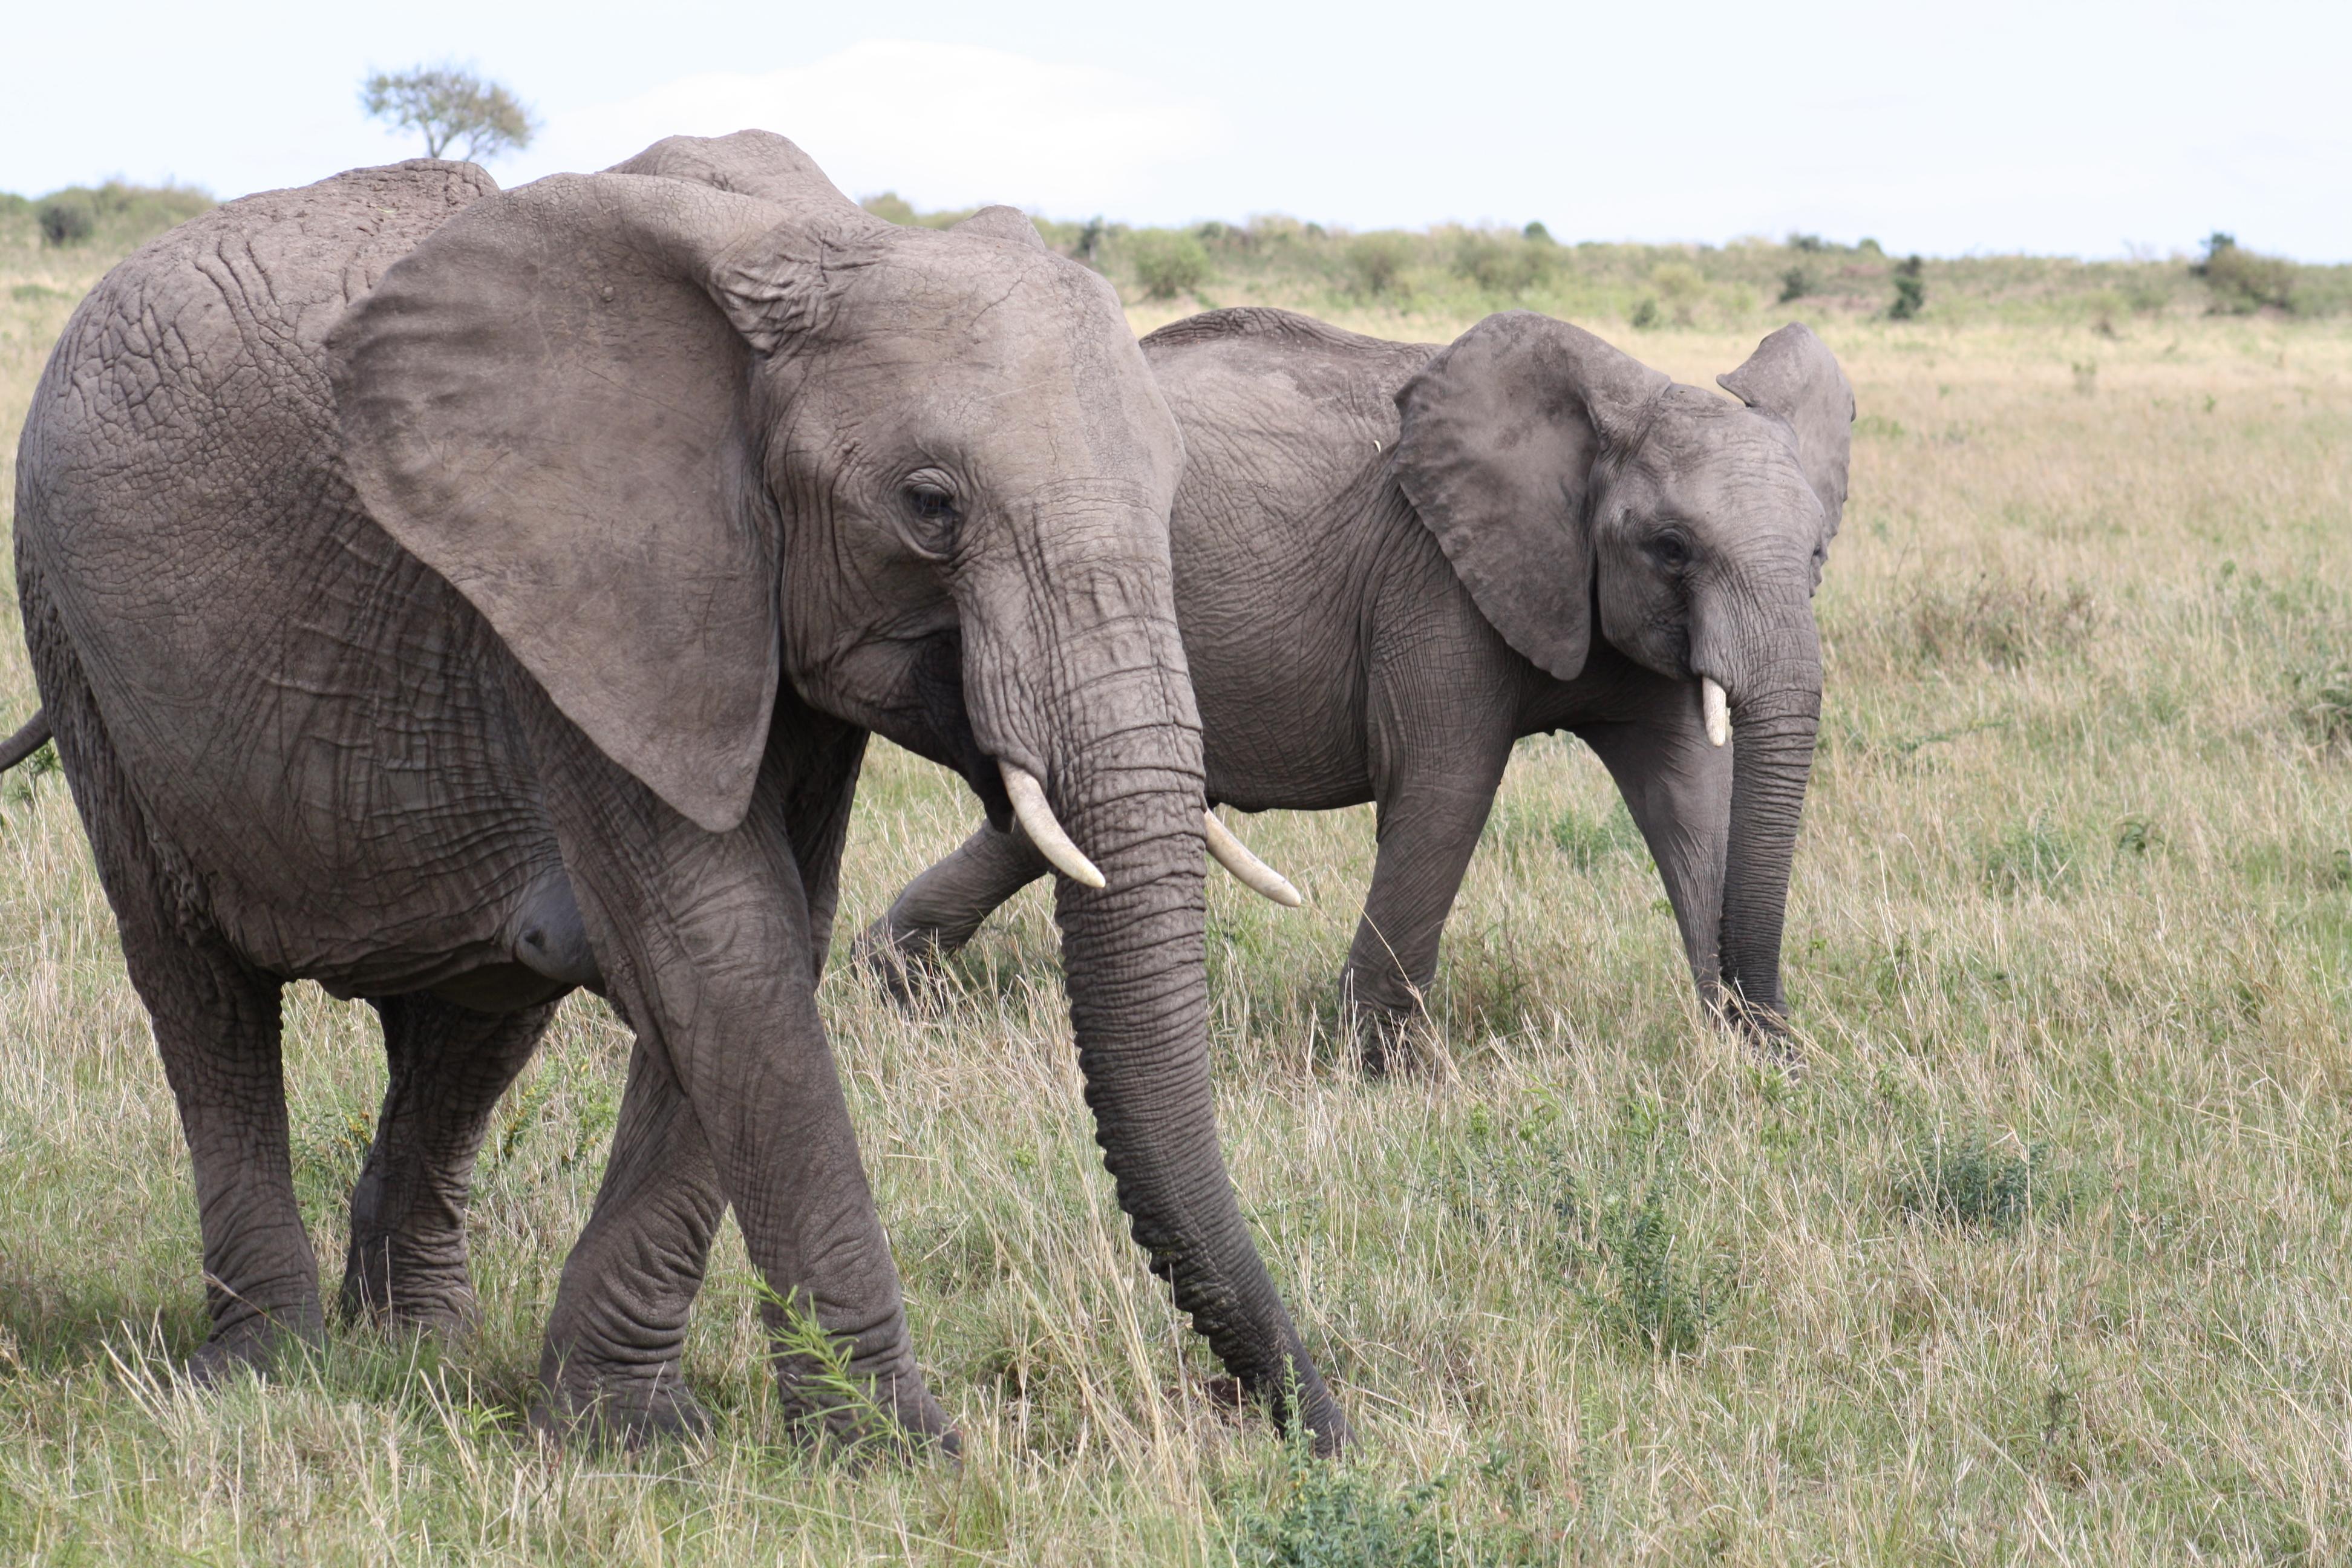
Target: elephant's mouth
945 721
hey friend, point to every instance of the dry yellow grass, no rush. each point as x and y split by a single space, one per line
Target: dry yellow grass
2042 1257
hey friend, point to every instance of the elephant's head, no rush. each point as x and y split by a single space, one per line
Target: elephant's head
1569 482
699 424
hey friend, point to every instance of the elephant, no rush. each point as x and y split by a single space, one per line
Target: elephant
459 597
1394 561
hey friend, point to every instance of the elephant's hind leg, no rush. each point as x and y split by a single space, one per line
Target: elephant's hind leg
944 908
215 1019
447 1066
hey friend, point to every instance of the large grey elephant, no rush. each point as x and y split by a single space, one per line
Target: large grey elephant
457 597
1392 560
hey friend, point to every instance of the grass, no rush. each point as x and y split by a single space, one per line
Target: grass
2043 1255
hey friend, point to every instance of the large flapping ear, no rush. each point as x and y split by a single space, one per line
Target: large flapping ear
1002 223
547 404
1501 432
1793 374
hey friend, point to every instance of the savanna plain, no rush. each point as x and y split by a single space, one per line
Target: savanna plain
2038 1252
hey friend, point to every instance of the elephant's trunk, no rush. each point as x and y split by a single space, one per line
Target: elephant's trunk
1775 704
1119 756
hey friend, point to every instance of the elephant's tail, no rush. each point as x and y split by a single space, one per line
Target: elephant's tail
25 741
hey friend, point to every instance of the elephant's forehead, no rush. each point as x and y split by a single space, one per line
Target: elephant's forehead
1697 439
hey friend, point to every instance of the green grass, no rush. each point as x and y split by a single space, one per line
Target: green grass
2042 1256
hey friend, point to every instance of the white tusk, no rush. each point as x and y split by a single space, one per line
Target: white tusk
1718 709
1247 869
1037 821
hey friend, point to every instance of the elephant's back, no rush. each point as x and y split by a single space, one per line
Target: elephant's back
183 510
198 362
1284 520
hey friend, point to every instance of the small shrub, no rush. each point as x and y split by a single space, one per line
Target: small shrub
1167 263
1645 315
2033 858
1328 1515
1535 233
120 213
1377 262
1808 244
1797 282
1680 288
2242 282
1502 264
1910 289
1658 1295
69 218
1976 1181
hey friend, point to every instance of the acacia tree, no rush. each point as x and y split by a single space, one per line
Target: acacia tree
449 106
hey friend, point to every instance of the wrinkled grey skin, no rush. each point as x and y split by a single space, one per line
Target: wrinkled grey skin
1387 561
459 597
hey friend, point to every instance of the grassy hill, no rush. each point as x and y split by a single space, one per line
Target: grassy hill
2044 1254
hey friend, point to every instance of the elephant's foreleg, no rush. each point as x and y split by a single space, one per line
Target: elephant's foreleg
1429 827
447 1066
944 908
703 938
1678 788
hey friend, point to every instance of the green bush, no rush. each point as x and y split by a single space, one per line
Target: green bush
116 213
1377 262
1974 1179
1660 1294
1680 287
2242 283
1910 289
1536 232
1167 263
1503 264
1797 282
67 218
1328 1514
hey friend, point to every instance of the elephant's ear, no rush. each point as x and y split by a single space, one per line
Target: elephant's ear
546 404
1501 433
1002 223
1793 374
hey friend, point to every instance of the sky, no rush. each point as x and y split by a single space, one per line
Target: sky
2094 130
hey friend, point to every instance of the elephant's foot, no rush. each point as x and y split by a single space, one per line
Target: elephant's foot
401 1285
257 1343
616 1409
867 1416
1387 1039
908 965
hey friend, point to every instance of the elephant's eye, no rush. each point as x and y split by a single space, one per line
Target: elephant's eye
932 508
1669 548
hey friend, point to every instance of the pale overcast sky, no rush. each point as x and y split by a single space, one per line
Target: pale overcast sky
2083 129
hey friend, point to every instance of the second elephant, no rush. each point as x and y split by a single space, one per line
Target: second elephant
1392 560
